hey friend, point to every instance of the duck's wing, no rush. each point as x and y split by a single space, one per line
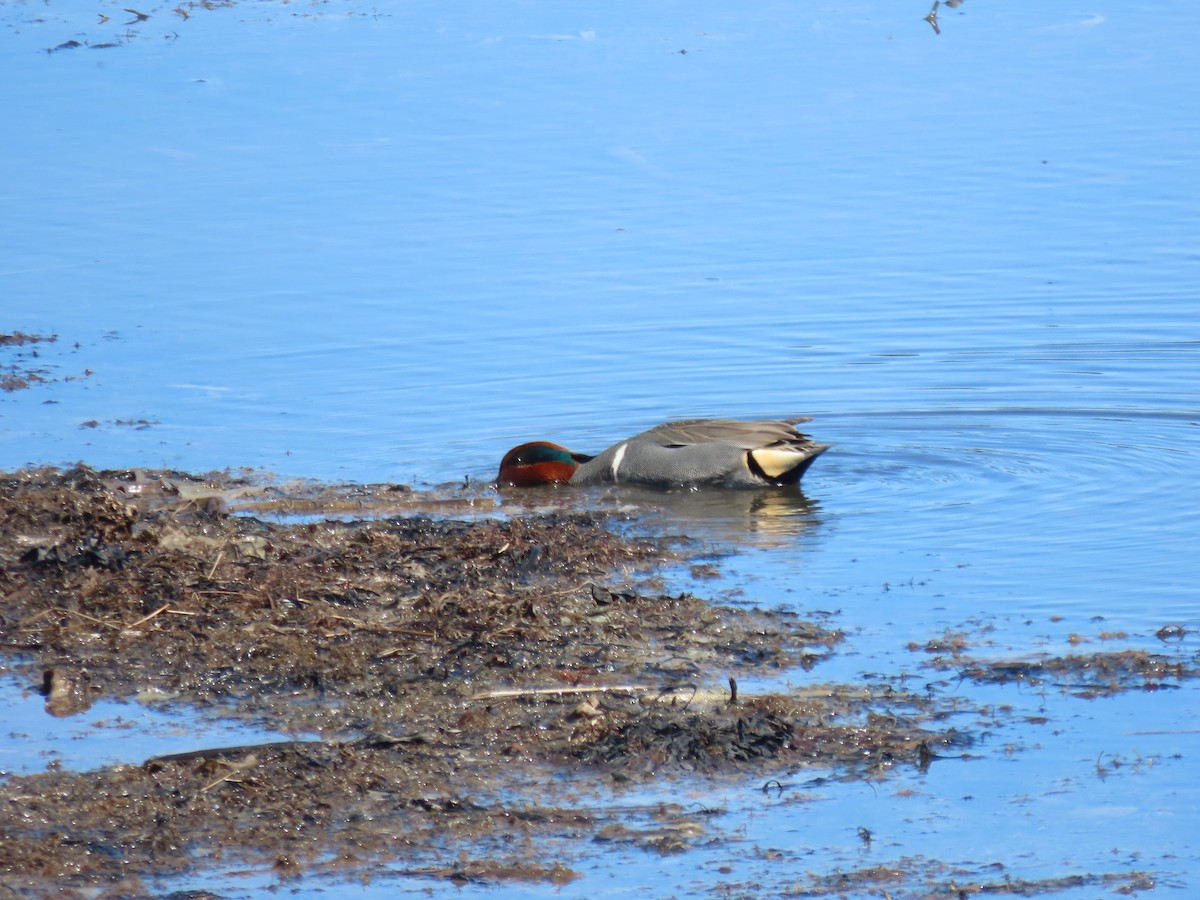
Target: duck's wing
731 452
746 435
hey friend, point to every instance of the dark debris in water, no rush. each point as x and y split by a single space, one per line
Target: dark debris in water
938 881
1084 675
169 22
22 367
448 664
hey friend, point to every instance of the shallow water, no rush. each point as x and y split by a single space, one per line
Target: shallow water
387 244
109 733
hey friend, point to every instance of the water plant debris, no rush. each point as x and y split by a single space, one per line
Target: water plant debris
448 679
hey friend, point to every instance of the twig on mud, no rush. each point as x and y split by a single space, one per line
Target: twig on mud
75 612
235 768
144 619
411 632
216 562
367 628
590 689
221 753
30 620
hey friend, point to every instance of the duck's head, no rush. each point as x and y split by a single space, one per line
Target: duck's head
539 462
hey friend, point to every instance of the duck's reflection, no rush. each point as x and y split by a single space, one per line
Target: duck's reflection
762 517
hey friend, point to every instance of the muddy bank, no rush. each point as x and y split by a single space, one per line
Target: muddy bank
438 672
120 586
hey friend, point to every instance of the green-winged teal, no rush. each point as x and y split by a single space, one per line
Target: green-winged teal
724 452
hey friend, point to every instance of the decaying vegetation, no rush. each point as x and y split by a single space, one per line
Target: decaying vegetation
437 672
1083 675
459 687
20 366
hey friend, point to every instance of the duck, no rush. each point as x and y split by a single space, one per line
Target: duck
686 453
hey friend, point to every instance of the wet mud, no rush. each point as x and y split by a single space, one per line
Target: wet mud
437 672
466 692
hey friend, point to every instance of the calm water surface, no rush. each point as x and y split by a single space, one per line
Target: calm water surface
388 243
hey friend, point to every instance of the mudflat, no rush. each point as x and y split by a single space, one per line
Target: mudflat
448 679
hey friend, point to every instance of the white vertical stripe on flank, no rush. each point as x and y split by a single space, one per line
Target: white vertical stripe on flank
616 463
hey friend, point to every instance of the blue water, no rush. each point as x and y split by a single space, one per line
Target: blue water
388 243
109 733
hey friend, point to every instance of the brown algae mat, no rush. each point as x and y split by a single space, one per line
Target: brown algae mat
460 687
1086 676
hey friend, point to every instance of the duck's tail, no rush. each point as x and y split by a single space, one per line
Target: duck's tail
786 464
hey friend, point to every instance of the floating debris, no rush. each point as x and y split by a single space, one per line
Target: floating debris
1084 675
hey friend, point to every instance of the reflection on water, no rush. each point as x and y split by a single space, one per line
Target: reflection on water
760 518
111 733
770 517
